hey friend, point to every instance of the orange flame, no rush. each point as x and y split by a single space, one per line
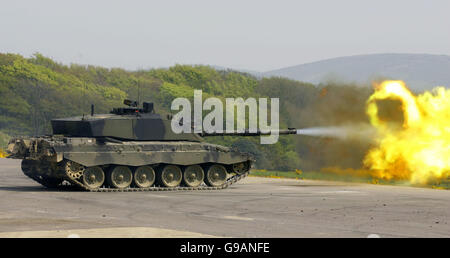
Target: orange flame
420 150
2 154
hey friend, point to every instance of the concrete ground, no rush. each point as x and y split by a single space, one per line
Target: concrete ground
254 207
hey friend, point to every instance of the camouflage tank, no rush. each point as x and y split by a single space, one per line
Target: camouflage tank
130 149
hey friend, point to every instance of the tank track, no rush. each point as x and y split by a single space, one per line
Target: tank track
42 179
76 185
230 181
46 181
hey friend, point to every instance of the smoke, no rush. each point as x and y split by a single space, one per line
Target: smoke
359 131
337 131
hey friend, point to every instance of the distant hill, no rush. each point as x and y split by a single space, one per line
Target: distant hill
419 71
254 73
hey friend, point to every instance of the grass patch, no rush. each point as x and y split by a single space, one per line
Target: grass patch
311 175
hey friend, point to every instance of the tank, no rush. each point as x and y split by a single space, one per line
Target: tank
129 149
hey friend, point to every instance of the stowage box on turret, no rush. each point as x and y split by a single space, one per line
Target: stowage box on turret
130 149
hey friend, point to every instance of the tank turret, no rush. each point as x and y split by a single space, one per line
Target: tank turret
129 124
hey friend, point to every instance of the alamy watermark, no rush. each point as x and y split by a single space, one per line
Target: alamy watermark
213 121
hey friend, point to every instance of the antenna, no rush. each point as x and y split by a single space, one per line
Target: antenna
84 97
139 91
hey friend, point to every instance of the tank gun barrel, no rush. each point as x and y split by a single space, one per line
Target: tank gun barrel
252 133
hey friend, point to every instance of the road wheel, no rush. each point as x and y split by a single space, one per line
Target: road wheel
144 176
93 177
170 176
216 175
73 170
120 177
193 175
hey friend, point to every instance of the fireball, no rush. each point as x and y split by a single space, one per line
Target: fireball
420 150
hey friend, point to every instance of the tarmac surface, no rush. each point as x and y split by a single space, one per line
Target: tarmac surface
254 207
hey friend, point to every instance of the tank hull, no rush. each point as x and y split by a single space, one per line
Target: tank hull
56 159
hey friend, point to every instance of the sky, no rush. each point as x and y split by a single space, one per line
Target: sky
256 35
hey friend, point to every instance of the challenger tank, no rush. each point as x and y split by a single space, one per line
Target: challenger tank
130 149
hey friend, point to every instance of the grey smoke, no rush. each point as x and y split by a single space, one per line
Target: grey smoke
345 132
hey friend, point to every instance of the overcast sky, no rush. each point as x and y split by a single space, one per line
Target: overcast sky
243 34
